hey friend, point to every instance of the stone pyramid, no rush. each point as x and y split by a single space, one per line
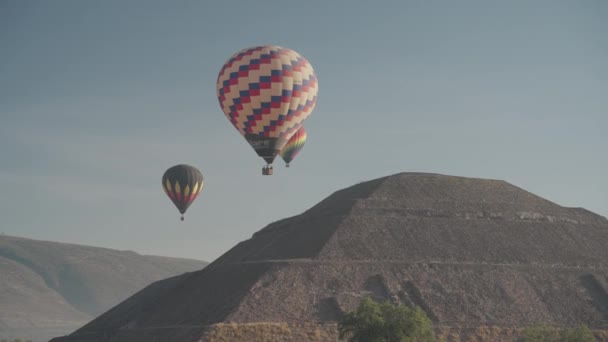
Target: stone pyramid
482 258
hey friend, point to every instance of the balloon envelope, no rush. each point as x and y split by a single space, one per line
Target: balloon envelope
182 183
294 145
267 92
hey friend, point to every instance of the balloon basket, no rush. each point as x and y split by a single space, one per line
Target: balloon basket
267 171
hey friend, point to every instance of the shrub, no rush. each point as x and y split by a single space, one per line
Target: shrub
375 322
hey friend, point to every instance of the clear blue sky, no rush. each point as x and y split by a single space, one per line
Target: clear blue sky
98 98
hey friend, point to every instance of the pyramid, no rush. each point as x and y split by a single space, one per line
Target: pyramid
481 257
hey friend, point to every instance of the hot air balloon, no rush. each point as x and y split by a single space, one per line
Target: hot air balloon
293 146
183 183
267 92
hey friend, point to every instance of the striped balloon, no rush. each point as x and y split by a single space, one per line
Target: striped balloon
183 183
293 146
267 92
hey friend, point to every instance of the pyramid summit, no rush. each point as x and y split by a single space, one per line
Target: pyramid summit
482 257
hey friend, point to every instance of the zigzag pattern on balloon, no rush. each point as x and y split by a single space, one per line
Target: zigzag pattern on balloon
267 90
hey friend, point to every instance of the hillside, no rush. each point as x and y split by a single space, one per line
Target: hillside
482 257
49 287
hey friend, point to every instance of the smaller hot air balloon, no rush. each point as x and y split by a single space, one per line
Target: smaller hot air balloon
182 183
293 146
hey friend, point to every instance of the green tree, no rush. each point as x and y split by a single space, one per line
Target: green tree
375 322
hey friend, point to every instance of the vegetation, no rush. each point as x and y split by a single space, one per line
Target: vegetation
15 340
375 322
545 333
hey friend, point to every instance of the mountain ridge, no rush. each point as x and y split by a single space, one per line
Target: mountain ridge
54 286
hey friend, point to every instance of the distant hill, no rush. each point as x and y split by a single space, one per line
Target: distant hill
481 257
49 288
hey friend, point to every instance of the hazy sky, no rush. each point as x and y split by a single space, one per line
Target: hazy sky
99 98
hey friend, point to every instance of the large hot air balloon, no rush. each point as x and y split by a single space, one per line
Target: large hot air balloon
293 146
267 92
183 183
